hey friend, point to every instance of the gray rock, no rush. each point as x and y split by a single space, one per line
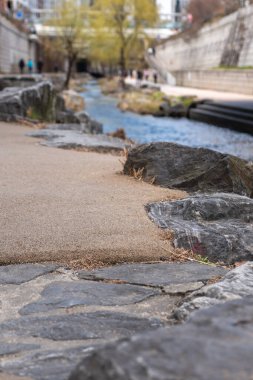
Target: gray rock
88 125
18 274
69 294
18 80
176 289
159 275
36 102
81 326
66 117
65 127
73 139
14 348
92 126
215 345
217 226
190 169
49 364
237 283
177 110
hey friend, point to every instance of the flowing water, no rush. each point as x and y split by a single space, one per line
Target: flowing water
145 129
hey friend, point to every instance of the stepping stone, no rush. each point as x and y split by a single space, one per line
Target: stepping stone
19 274
68 294
80 326
157 275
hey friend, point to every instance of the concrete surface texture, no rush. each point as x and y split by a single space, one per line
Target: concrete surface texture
65 205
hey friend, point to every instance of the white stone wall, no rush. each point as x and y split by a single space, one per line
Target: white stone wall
14 45
237 81
205 50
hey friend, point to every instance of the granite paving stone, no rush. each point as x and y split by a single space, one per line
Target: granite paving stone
12 348
80 326
69 294
18 274
216 344
158 275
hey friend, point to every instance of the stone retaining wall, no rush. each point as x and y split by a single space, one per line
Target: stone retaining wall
226 42
238 81
14 45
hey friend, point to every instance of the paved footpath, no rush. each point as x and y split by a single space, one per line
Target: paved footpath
52 317
61 205
200 93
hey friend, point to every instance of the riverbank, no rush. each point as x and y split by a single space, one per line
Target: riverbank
65 212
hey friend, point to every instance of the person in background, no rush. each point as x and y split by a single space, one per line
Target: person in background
30 65
40 65
155 77
21 65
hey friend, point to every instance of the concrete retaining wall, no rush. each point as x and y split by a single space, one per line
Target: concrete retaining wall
14 45
190 62
238 81
230 37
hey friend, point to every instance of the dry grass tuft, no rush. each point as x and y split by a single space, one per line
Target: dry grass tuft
181 254
138 174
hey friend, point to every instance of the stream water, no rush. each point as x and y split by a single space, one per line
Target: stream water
145 129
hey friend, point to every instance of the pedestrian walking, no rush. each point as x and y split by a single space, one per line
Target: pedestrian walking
146 75
30 65
139 77
21 65
40 65
155 77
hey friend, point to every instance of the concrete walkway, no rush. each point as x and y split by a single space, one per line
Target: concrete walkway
190 91
61 205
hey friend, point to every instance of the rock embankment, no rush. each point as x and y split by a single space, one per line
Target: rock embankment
216 224
37 102
153 102
40 102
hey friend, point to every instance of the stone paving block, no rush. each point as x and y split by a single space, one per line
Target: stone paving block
160 275
215 345
80 326
18 274
69 294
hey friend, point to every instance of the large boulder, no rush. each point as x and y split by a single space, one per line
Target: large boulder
35 102
218 226
191 169
216 344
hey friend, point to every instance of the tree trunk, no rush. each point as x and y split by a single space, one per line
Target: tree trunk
122 64
71 61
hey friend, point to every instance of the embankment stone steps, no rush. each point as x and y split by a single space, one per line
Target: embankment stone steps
232 115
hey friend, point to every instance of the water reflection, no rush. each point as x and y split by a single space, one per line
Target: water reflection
145 129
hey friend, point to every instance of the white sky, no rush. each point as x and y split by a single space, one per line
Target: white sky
165 5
